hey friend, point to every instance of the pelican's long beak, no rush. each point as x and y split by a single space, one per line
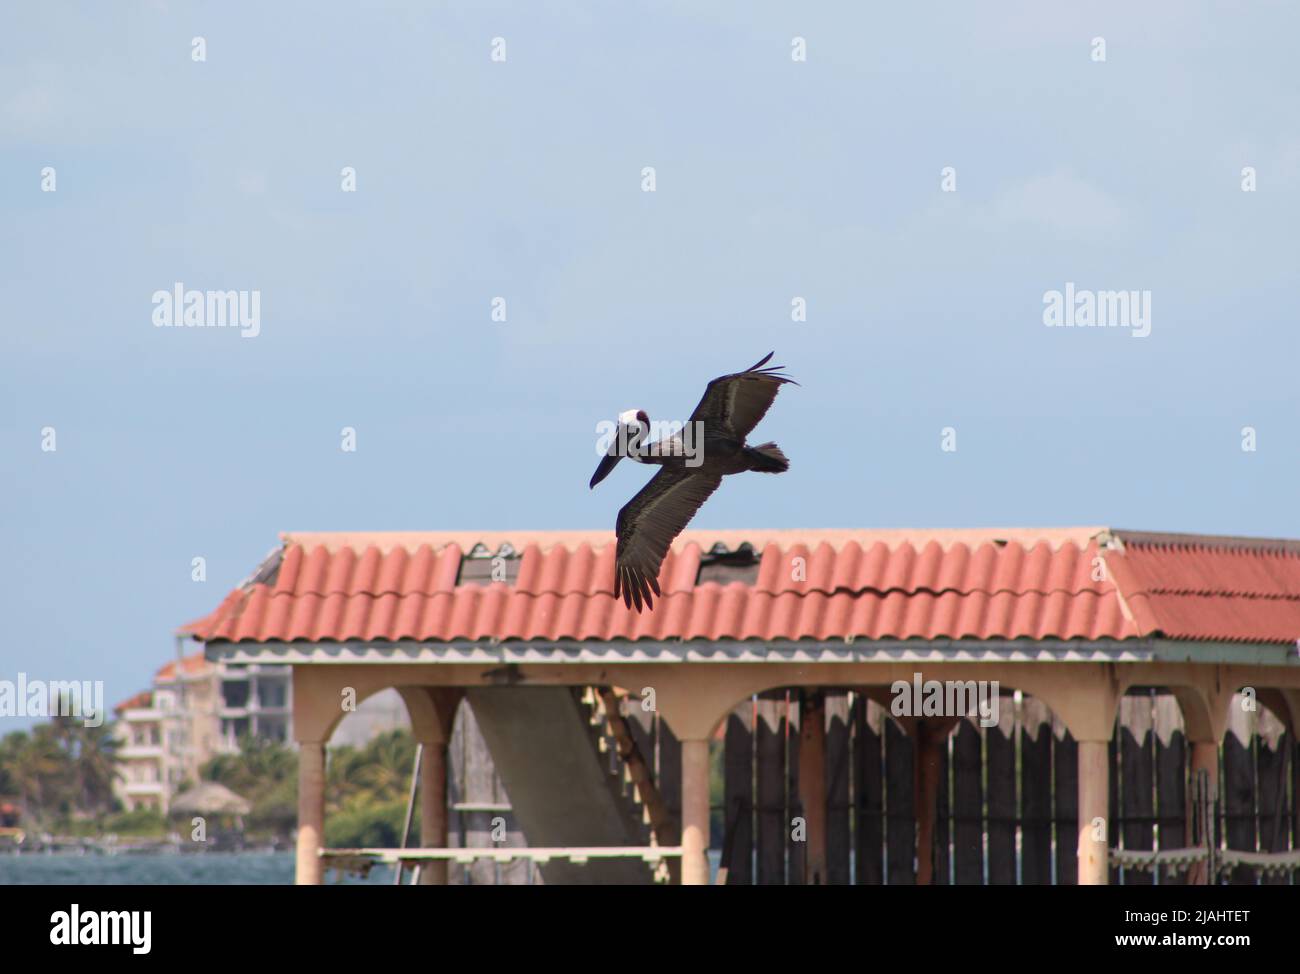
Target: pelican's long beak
607 463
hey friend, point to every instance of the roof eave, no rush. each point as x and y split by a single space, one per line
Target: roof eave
541 652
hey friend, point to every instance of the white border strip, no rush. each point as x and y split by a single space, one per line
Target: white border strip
696 651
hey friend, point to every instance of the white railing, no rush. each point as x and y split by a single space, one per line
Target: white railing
574 854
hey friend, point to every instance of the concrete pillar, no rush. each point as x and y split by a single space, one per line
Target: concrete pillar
1094 798
1205 757
695 812
812 785
433 810
311 812
929 755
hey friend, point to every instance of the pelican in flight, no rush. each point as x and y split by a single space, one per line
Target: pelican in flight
691 465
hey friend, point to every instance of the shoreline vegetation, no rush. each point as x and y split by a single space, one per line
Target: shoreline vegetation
57 795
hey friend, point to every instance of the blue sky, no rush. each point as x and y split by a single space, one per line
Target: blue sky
522 179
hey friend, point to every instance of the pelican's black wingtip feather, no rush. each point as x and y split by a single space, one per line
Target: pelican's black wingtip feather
636 588
774 375
768 371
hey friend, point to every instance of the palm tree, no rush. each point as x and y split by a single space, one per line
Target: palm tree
269 762
9 747
346 775
259 766
388 760
94 766
38 768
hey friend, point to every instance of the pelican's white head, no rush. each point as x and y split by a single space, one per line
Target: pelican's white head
634 417
633 427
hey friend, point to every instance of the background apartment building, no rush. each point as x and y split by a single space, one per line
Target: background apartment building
197 709
167 732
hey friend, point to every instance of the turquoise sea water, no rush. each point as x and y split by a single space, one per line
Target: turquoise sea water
220 868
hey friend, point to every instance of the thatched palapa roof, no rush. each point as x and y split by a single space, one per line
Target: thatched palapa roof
210 798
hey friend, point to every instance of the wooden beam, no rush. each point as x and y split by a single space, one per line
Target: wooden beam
1065 778
1035 793
770 778
662 823
968 805
1171 781
1137 780
900 804
868 779
738 796
931 749
838 836
812 784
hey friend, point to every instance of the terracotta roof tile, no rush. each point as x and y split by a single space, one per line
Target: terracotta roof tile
141 701
1081 583
194 663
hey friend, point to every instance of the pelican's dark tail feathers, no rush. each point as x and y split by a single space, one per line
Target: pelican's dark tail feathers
766 458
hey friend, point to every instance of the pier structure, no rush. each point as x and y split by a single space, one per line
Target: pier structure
903 656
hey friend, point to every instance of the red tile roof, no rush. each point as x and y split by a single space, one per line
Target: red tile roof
192 665
1083 583
1189 587
141 701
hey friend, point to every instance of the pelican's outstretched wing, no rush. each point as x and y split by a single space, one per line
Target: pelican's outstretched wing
647 525
735 403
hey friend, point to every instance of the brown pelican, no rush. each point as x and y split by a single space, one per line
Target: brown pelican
691 464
